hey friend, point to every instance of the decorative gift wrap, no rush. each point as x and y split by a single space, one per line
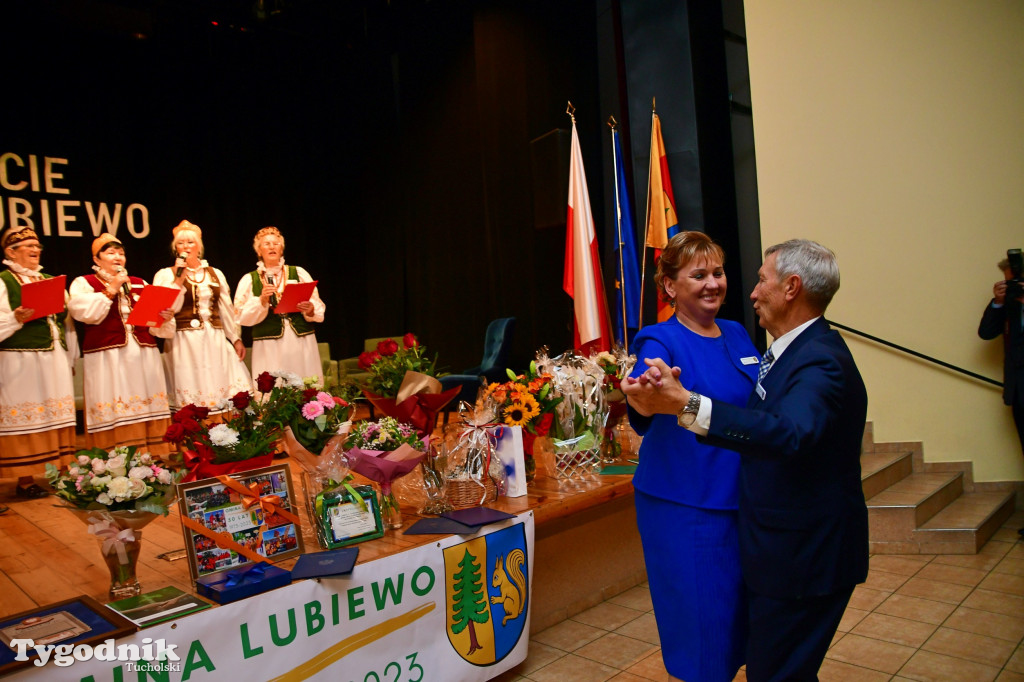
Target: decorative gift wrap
347 515
509 450
475 474
229 521
580 416
341 513
240 583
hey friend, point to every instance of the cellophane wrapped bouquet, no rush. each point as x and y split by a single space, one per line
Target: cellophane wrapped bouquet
474 473
581 415
617 364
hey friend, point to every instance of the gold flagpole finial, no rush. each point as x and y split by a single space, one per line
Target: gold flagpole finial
612 123
653 108
571 110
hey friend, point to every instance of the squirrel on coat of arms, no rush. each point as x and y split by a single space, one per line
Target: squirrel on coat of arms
511 583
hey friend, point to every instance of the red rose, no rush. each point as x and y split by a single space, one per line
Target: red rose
367 358
409 340
190 425
175 433
387 347
200 412
544 424
339 401
309 393
241 400
264 382
186 412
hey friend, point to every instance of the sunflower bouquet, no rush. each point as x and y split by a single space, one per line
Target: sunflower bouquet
526 400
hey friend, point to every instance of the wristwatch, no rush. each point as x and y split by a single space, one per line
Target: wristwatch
688 414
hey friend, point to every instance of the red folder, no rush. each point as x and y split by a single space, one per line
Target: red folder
153 299
293 295
45 297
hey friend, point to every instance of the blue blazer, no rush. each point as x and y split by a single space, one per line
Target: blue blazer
802 518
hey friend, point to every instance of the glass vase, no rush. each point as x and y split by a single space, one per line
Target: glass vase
122 566
390 512
119 534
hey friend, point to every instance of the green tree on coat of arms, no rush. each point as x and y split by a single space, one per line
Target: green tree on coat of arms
469 604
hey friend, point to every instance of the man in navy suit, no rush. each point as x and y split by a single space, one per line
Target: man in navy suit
802 517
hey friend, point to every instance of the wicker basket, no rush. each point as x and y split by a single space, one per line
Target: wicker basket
465 493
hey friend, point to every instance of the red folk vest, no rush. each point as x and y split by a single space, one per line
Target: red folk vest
111 331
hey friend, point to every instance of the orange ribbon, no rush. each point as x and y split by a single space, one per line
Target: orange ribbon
223 540
270 504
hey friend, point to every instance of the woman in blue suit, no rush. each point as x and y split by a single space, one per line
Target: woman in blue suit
686 492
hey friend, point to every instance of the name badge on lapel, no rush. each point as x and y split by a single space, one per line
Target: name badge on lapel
749 360
759 389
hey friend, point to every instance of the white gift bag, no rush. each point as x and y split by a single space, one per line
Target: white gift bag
510 451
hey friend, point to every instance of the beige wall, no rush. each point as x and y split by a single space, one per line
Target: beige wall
893 132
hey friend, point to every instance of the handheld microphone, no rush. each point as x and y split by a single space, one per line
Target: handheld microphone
273 297
177 273
125 287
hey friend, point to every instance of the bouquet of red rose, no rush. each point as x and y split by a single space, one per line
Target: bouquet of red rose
403 383
389 364
245 439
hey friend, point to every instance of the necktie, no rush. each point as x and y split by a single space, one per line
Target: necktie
766 362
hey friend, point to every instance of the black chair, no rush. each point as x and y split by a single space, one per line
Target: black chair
497 342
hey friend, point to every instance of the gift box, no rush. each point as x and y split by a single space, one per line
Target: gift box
240 583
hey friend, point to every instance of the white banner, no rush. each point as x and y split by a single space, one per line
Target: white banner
454 610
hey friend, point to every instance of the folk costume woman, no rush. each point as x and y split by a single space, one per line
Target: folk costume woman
280 341
37 395
125 386
204 352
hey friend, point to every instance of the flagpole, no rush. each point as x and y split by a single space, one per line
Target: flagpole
647 227
613 124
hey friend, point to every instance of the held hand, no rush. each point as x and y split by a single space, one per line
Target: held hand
239 349
999 292
265 296
657 390
167 314
21 315
306 307
119 279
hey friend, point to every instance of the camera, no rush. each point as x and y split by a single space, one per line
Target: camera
1015 285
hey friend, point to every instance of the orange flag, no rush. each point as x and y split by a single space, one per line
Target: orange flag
661 217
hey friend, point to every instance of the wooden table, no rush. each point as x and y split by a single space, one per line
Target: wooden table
587 548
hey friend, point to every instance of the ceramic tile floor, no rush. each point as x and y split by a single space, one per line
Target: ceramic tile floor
941 618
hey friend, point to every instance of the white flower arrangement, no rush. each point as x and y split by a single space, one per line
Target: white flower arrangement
118 480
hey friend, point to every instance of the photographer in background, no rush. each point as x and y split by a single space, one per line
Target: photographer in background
1003 317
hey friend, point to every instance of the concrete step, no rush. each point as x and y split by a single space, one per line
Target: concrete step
898 510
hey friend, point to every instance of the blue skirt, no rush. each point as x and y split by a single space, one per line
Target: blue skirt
693 568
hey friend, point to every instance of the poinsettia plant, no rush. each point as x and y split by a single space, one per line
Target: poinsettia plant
388 364
122 479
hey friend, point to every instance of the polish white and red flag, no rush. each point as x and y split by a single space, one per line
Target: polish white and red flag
582 280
